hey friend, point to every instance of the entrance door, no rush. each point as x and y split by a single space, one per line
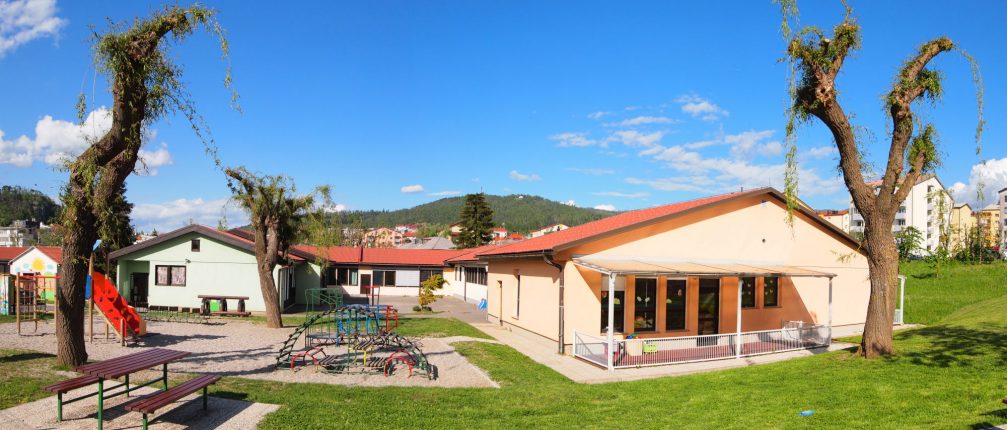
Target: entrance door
365 281
709 306
138 294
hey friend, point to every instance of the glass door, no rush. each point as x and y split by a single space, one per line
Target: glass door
709 306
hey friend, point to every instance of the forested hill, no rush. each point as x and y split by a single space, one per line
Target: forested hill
22 203
519 213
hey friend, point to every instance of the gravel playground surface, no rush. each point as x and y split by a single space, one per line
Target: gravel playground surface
248 350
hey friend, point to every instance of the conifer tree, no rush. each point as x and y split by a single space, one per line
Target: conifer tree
476 222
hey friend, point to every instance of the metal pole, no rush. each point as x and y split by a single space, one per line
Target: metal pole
611 320
90 309
737 338
830 312
902 299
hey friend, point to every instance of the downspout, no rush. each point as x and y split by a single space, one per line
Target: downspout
562 326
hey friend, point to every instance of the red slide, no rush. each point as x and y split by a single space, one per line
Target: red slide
107 298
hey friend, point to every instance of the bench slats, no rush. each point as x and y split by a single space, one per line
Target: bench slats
72 384
149 404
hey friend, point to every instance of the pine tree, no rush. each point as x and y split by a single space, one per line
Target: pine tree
476 222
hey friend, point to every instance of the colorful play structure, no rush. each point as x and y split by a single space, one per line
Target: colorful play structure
28 298
118 314
358 338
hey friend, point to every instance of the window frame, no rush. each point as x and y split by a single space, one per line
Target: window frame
775 287
384 278
637 309
170 268
685 304
194 245
743 285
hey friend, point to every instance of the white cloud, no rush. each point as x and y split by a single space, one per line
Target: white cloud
609 208
22 21
173 214
989 178
819 152
574 140
593 171
518 176
598 115
150 161
638 195
749 144
698 107
334 208
702 144
444 193
55 140
635 139
410 189
570 203
643 120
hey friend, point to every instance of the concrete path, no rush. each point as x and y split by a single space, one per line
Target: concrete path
187 413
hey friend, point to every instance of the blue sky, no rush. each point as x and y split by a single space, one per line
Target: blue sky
612 104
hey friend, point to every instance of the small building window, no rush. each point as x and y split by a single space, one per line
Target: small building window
747 292
426 274
476 275
195 245
771 292
341 276
170 276
517 300
645 312
384 278
618 307
675 305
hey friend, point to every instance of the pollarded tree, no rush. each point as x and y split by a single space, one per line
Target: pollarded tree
816 59
146 86
476 222
275 212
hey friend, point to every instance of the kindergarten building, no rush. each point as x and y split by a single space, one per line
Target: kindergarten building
713 273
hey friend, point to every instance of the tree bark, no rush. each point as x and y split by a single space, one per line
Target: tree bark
70 347
267 245
883 269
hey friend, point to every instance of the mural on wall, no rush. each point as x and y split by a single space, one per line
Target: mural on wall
37 265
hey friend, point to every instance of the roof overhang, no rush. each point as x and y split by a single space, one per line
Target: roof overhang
650 267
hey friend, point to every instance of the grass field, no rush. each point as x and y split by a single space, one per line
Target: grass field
949 374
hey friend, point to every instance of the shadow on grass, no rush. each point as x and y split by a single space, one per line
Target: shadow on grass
928 275
1001 417
23 357
230 395
947 346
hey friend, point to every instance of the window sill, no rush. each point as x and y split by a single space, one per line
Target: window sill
773 307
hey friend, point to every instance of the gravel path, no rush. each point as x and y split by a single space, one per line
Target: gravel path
248 350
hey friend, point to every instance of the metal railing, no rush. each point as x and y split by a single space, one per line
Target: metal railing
687 349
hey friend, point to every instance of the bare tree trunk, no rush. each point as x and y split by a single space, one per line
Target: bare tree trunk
70 349
269 295
883 266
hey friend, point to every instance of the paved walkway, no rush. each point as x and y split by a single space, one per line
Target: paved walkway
187 413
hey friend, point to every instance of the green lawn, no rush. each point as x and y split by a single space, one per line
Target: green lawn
949 374
931 298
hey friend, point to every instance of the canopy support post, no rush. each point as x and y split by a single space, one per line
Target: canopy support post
830 312
737 336
611 320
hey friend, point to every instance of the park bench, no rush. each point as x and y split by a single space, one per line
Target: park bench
61 388
205 307
149 404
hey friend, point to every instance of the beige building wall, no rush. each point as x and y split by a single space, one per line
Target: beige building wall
750 230
963 219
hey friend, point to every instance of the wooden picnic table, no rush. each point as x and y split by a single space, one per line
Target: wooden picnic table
205 307
124 366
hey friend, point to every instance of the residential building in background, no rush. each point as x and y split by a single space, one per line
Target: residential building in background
838 218
963 220
552 228
1002 202
921 209
988 220
20 233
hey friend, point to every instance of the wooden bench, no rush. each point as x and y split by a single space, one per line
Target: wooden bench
61 388
150 404
205 307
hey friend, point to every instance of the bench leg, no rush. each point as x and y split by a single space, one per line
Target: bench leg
204 398
144 421
59 406
127 385
101 400
165 376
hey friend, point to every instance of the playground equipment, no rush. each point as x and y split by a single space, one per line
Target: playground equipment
31 296
361 338
122 317
6 294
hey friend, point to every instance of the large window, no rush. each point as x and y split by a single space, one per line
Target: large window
426 274
384 278
476 275
771 292
170 276
342 276
675 305
748 292
620 310
645 311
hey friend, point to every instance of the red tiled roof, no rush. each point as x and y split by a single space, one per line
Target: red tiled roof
385 256
472 254
613 223
53 252
8 253
499 229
